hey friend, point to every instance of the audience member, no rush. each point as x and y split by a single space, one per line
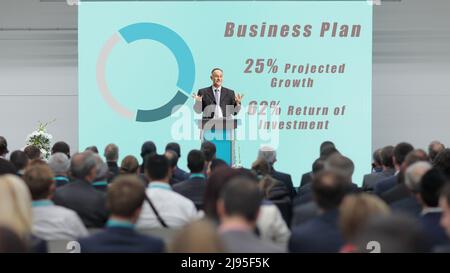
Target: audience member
60 165
61 147
112 155
20 161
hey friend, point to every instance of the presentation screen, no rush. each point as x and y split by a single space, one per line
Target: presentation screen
304 69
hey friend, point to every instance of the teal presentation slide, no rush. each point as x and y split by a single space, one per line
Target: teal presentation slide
304 68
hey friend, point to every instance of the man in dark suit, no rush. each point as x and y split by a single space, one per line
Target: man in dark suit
217 101
80 195
322 234
194 187
177 173
387 165
444 204
401 150
112 155
124 199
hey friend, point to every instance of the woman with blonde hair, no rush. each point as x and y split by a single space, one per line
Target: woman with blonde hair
354 212
15 210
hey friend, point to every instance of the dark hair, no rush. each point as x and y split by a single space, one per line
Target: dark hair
217 163
125 195
401 150
216 68
157 166
196 161
147 148
172 157
376 156
61 147
329 188
39 179
216 181
445 193
6 167
430 187
386 156
32 152
111 152
3 146
19 159
129 165
326 145
318 165
242 197
261 167
209 150
434 149
327 152
92 149
442 162
173 146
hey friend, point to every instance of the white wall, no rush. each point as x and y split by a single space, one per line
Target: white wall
38 71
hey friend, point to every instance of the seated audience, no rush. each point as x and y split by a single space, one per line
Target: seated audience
102 175
148 148
20 161
129 165
170 209
3 147
50 222
434 149
124 199
238 208
61 147
80 195
32 152
112 155
60 165
444 204
178 174
6 167
387 169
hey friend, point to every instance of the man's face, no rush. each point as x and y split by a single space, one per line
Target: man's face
217 78
445 219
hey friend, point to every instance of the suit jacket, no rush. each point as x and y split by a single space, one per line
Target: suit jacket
385 184
318 235
305 194
408 205
193 189
85 200
121 240
433 230
239 241
180 175
208 99
370 180
306 179
397 193
287 181
304 213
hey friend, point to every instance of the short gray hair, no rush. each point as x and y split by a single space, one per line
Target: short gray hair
268 154
59 163
340 164
111 152
82 164
414 174
101 166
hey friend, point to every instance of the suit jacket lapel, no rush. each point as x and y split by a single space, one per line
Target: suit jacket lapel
211 94
223 93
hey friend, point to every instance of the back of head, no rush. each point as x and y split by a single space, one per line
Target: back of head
261 167
391 234
356 209
15 205
268 154
111 152
61 147
387 154
215 184
318 165
172 156
102 169
19 159
196 161
414 173
39 179
173 146
326 145
32 152
3 146
430 187
241 197
129 165
341 165
197 237
7 167
329 188
434 149
442 162
376 157
82 164
327 152
148 148
59 163
401 150
92 149
157 167
209 150
217 163
10 242
125 195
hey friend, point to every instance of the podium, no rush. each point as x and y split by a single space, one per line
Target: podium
221 132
